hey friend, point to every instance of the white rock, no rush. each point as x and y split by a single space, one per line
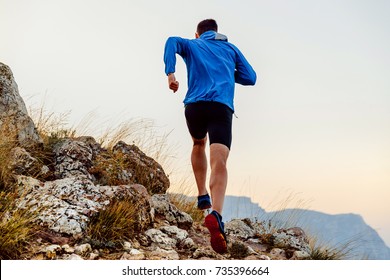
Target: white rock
175 232
74 257
83 249
160 239
127 246
67 249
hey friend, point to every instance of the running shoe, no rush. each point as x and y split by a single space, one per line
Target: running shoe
218 239
204 202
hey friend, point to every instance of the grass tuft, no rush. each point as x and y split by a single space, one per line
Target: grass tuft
16 227
238 250
115 223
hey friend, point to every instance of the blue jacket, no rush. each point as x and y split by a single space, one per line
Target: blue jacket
213 66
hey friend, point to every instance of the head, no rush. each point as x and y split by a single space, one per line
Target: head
206 25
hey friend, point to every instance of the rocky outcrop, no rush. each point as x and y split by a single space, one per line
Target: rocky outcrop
77 181
66 205
14 119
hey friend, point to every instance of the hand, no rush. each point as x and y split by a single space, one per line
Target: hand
173 84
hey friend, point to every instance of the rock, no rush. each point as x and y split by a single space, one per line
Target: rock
163 207
67 249
146 171
278 254
93 256
73 257
66 205
52 251
134 254
83 249
160 239
300 255
174 232
294 238
127 246
22 163
264 257
188 244
239 228
162 254
14 118
204 253
72 158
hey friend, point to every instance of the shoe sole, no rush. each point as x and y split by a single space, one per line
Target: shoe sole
217 240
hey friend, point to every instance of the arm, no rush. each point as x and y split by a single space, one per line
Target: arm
244 74
173 46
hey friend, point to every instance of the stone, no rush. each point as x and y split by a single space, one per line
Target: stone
66 205
52 251
67 249
72 158
278 254
292 238
93 256
239 228
163 254
175 232
134 254
14 118
127 246
164 208
188 244
300 255
160 239
146 171
21 162
83 249
73 257
264 257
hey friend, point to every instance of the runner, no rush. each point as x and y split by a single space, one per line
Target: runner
213 67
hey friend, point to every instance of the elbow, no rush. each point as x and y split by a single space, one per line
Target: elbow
253 79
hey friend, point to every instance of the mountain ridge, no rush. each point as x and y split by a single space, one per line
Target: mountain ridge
334 230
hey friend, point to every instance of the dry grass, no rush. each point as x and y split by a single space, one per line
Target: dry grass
188 205
341 251
115 223
238 250
7 143
16 227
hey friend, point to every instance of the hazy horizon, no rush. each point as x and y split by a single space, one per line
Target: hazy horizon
316 125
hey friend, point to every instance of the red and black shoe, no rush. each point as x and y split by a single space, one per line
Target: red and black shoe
218 239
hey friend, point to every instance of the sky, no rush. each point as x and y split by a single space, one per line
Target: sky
316 125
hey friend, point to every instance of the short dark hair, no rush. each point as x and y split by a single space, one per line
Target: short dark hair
206 25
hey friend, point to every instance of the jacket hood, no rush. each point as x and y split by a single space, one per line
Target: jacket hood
212 35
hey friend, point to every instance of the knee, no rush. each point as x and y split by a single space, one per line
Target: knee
199 143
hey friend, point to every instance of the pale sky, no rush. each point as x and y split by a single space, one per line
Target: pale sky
317 124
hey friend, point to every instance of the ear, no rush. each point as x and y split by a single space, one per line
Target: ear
196 35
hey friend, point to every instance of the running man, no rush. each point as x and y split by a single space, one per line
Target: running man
213 67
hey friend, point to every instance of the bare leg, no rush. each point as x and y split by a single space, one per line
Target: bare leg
218 179
199 164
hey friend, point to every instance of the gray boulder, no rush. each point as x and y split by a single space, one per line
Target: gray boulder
14 118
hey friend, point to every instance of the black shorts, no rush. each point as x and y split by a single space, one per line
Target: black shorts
209 117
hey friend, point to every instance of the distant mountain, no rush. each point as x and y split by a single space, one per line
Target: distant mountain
334 231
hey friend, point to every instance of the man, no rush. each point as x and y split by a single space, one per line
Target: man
213 66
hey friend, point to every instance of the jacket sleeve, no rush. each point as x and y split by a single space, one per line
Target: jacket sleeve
244 74
173 46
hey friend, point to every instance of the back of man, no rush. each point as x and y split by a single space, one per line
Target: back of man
213 66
